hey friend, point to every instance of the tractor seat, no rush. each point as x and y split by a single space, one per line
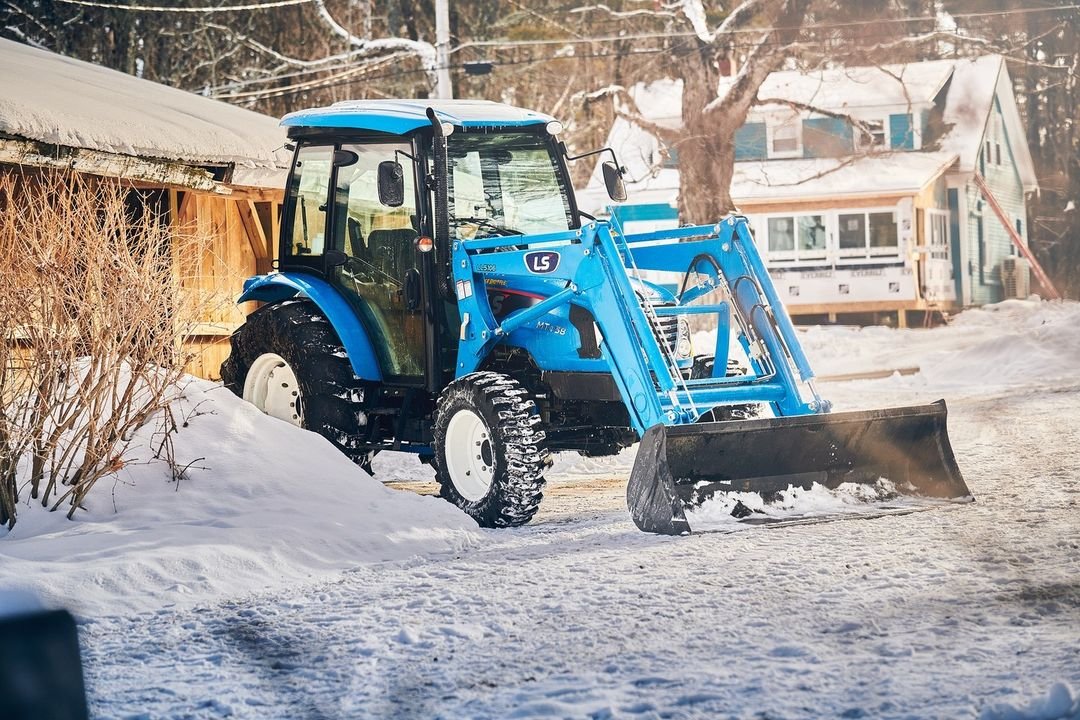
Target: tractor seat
390 248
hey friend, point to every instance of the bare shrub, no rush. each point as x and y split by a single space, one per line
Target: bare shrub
92 311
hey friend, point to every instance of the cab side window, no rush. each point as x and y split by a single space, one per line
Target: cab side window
382 238
307 193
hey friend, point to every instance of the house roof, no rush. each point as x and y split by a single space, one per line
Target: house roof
968 106
56 100
814 178
841 89
404 116
893 174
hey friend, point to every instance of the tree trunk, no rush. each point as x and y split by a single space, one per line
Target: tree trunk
707 145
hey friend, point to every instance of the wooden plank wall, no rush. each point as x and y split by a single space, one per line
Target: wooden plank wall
239 239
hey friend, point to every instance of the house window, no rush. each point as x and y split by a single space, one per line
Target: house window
797 237
988 156
811 237
852 233
785 139
938 226
997 153
862 234
883 235
781 235
871 135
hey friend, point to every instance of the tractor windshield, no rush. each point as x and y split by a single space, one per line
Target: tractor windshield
505 185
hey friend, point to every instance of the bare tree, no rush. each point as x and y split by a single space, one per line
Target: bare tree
92 311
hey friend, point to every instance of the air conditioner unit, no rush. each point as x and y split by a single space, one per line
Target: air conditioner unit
1015 277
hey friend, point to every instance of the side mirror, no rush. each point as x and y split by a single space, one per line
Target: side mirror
616 190
391 183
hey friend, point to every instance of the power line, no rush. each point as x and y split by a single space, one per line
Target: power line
511 44
679 43
320 82
162 9
757 30
335 81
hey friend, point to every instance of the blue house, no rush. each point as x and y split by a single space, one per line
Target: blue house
866 206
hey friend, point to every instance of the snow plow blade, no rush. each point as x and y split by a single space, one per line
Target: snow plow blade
678 466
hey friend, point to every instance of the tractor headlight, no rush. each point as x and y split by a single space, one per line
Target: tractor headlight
683 347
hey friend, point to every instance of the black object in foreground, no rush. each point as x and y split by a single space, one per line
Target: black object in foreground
40 668
683 465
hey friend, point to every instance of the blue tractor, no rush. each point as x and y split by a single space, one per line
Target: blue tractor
438 291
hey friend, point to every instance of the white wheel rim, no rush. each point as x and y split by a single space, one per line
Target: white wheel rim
271 386
470 456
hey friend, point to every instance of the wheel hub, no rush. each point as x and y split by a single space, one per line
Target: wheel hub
470 457
272 387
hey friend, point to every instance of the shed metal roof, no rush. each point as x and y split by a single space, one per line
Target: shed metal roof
60 101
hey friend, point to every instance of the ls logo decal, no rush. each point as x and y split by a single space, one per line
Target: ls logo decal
542 261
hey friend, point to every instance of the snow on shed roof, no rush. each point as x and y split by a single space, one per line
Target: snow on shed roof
58 100
403 116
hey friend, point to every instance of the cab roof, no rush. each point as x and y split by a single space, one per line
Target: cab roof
399 117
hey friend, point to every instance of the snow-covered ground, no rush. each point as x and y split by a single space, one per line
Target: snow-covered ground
306 610
262 504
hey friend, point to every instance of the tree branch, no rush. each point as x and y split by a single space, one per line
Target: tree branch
627 108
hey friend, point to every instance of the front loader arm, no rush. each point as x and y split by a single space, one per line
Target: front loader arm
595 263
578 258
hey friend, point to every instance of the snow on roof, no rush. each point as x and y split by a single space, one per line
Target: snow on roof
858 87
58 100
968 105
896 173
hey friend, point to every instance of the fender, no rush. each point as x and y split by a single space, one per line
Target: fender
280 286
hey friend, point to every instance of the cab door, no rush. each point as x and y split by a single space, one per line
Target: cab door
380 274
305 232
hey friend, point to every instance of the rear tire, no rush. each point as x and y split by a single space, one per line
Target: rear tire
490 452
288 352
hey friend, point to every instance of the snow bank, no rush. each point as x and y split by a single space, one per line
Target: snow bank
982 351
263 504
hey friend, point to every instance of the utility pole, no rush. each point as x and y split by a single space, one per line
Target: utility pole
443 89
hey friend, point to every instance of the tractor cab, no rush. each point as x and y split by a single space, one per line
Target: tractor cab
358 212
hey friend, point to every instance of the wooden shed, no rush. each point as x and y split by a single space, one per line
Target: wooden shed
206 164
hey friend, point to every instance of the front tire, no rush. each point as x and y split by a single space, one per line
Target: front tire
288 361
490 452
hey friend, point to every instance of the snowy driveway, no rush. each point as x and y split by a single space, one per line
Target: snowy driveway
943 613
